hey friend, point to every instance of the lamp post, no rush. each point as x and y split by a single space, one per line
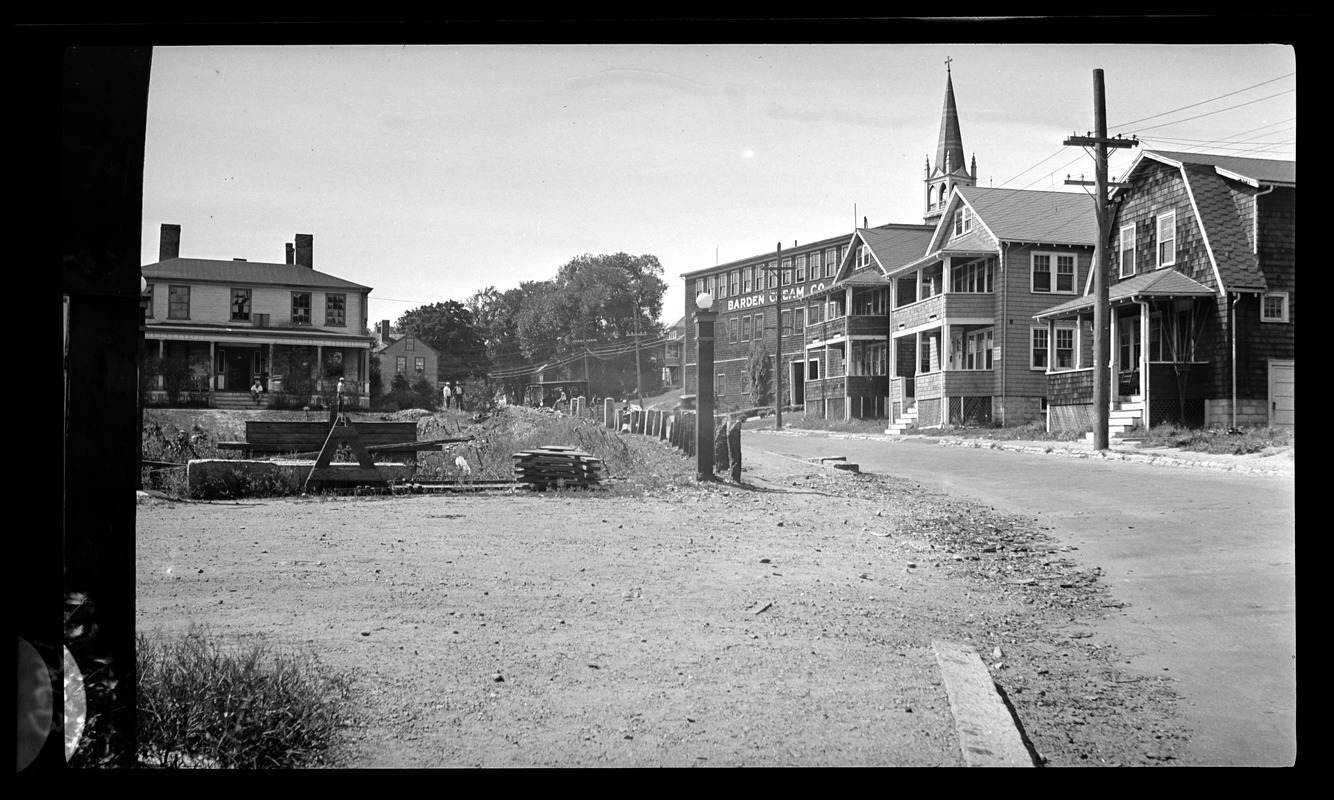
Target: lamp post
704 318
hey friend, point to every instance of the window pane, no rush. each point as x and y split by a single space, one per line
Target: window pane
1041 273
1065 274
335 310
301 308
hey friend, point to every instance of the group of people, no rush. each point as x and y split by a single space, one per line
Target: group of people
454 396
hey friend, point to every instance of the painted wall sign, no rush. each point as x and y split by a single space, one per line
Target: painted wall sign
766 298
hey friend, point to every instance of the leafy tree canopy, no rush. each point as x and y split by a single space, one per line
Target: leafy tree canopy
449 329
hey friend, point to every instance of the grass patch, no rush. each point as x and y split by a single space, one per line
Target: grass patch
1220 441
245 707
800 421
1027 432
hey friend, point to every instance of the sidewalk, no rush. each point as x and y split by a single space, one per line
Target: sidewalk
1281 462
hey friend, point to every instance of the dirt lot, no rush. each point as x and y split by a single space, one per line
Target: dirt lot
785 623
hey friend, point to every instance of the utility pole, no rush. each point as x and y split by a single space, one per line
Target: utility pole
778 336
1101 306
639 394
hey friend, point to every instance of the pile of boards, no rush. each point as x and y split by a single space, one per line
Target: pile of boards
556 467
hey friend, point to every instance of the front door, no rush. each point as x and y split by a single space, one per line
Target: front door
239 367
797 385
1127 356
1281 394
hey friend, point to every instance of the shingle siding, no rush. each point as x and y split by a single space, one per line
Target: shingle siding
1227 208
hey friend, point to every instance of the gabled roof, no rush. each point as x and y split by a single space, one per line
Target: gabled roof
380 348
891 245
1038 217
250 273
1223 224
1010 215
1163 284
1255 171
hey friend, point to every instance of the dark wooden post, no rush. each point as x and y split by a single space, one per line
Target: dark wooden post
704 320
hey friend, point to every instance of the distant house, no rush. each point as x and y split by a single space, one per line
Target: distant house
671 354
1202 293
214 327
845 326
407 356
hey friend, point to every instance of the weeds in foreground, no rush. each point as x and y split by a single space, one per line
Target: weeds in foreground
1027 432
246 707
1220 441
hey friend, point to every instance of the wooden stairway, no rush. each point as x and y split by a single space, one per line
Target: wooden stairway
907 421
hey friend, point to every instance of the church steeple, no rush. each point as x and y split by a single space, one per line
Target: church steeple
950 169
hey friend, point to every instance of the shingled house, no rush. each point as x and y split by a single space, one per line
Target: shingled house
1203 298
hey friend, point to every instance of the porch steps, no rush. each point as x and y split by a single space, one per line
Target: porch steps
239 400
906 422
1125 416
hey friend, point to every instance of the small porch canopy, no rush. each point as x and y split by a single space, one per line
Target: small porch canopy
1159 285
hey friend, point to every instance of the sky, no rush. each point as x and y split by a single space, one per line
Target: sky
430 172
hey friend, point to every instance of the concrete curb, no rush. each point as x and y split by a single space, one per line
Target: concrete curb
1055 448
1114 455
988 735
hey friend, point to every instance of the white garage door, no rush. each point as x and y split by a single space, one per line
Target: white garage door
1281 393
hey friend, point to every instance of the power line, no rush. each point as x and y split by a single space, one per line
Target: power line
1122 127
1210 100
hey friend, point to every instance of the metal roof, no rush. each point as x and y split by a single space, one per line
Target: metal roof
251 273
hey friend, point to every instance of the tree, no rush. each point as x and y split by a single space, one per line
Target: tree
761 372
496 320
449 329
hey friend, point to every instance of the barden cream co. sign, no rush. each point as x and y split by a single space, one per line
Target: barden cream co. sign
765 298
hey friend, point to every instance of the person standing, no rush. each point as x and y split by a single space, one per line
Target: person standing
734 444
449 394
458 396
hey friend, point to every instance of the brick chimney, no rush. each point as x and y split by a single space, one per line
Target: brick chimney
384 331
170 246
289 254
305 250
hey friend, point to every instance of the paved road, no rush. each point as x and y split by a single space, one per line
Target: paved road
1205 559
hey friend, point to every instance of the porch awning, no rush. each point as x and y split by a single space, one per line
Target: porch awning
1164 284
257 336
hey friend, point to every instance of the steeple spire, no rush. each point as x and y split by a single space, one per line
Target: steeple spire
949 152
951 168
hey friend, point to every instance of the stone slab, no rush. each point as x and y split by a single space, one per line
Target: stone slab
987 732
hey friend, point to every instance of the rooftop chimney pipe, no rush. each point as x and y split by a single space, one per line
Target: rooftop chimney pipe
305 250
290 260
170 246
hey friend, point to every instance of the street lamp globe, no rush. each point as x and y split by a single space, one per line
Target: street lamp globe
704 301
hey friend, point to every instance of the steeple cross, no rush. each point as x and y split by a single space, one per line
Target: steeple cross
947 63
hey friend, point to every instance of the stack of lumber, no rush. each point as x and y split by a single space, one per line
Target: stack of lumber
554 466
